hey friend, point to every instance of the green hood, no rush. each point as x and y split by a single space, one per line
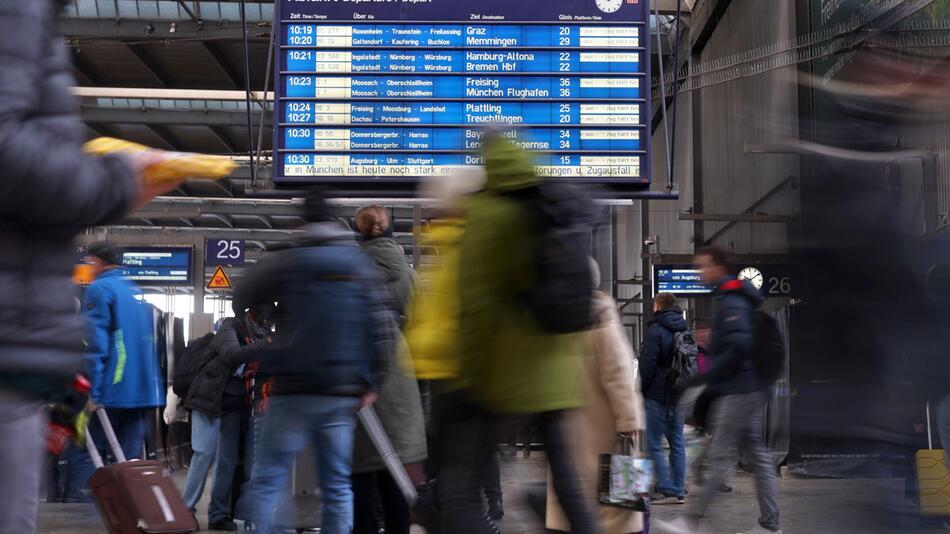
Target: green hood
389 256
508 166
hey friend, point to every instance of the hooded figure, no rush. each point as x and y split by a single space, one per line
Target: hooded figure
399 405
512 364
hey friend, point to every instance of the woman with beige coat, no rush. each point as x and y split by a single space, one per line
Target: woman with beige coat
614 405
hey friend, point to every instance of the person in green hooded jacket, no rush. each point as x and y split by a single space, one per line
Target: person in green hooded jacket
516 372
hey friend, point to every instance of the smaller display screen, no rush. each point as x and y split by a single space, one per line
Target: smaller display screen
157 266
678 280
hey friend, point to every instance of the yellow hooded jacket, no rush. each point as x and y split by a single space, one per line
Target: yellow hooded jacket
432 329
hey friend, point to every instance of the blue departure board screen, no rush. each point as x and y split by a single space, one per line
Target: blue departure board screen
157 265
390 91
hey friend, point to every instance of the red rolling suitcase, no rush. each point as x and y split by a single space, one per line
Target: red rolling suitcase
135 497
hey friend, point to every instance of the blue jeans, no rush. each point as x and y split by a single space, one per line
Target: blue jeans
291 422
130 426
666 421
216 441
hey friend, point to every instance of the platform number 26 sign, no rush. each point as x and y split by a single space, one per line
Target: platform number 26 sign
224 252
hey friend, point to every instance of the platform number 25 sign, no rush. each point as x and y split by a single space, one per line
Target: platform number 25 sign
224 252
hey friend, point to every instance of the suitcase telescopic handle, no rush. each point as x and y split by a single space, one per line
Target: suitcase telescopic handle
930 441
110 435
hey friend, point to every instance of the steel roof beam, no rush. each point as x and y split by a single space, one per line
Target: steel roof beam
222 63
171 117
223 137
150 65
84 72
139 30
166 136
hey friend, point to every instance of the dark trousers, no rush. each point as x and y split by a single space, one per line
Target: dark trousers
370 489
468 443
492 483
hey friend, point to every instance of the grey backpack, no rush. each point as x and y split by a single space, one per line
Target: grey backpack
684 363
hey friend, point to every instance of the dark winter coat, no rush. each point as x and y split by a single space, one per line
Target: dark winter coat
49 192
733 337
334 323
399 406
216 381
657 355
391 259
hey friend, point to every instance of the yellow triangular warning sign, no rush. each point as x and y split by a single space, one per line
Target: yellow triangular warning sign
219 280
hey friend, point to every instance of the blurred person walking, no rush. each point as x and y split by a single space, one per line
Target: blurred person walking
50 191
121 365
399 405
614 406
663 416
518 371
217 401
334 327
432 328
739 396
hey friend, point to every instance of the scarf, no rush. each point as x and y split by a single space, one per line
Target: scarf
254 329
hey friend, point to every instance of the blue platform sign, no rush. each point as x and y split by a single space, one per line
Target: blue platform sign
224 252
391 91
157 265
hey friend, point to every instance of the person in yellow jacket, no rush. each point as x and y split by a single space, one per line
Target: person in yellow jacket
432 326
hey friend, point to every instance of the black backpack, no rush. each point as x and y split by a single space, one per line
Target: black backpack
190 362
563 217
684 363
768 351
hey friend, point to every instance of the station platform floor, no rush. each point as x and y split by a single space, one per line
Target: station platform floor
808 506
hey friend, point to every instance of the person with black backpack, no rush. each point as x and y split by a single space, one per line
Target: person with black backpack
217 400
746 353
525 304
668 357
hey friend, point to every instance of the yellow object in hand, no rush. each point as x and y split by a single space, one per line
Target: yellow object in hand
178 166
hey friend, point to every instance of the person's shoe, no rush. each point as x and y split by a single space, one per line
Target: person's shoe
679 525
663 499
496 510
725 488
225 524
759 529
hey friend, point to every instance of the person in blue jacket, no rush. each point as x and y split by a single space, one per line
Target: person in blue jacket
121 364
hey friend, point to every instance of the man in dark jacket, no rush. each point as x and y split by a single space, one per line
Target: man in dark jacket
735 416
333 324
217 402
663 417
50 191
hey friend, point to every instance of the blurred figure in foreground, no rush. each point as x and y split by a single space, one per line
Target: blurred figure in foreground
432 325
121 365
663 416
614 406
50 191
739 397
399 405
333 326
517 371
217 403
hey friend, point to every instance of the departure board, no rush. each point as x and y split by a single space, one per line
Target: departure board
391 91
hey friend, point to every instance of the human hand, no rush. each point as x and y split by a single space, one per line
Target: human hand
91 407
368 399
141 161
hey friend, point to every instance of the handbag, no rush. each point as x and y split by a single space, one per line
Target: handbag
625 476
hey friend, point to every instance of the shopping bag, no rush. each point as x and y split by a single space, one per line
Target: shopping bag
626 477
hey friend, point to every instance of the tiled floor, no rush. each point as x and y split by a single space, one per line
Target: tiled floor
808 506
